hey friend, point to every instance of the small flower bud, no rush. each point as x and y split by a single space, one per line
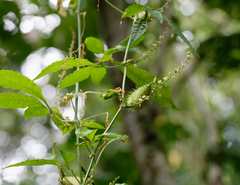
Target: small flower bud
159 81
165 78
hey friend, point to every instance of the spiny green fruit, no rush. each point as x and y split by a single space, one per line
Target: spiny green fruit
139 97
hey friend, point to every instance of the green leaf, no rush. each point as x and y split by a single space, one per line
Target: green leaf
106 56
67 157
14 80
82 74
15 100
132 10
35 162
82 133
155 13
35 112
94 45
138 30
97 74
175 28
141 77
63 126
91 135
163 97
70 62
92 124
114 136
118 48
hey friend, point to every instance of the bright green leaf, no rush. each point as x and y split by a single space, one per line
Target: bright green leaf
91 135
97 74
15 100
155 13
92 124
106 56
94 45
35 162
68 157
82 133
132 10
14 80
70 62
35 112
82 74
175 28
110 136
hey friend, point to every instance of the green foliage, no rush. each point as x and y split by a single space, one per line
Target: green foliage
132 10
68 157
138 31
175 28
92 124
14 101
94 45
82 74
14 80
155 13
90 134
64 125
35 112
35 162
67 63
110 136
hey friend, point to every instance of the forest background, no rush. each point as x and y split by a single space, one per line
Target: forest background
198 145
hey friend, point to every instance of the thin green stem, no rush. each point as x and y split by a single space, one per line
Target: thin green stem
114 6
75 176
99 142
77 88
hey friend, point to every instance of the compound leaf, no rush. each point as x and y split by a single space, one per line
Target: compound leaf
14 80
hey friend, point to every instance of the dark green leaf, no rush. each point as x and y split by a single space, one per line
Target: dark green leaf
110 136
94 45
58 65
35 112
138 30
68 157
14 80
175 28
155 13
92 124
35 162
132 10
15 100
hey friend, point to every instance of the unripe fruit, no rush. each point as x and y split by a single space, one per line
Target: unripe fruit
139 97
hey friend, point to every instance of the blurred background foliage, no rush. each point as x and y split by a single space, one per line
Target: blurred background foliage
199 145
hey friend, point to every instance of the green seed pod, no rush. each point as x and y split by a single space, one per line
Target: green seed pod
139 97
